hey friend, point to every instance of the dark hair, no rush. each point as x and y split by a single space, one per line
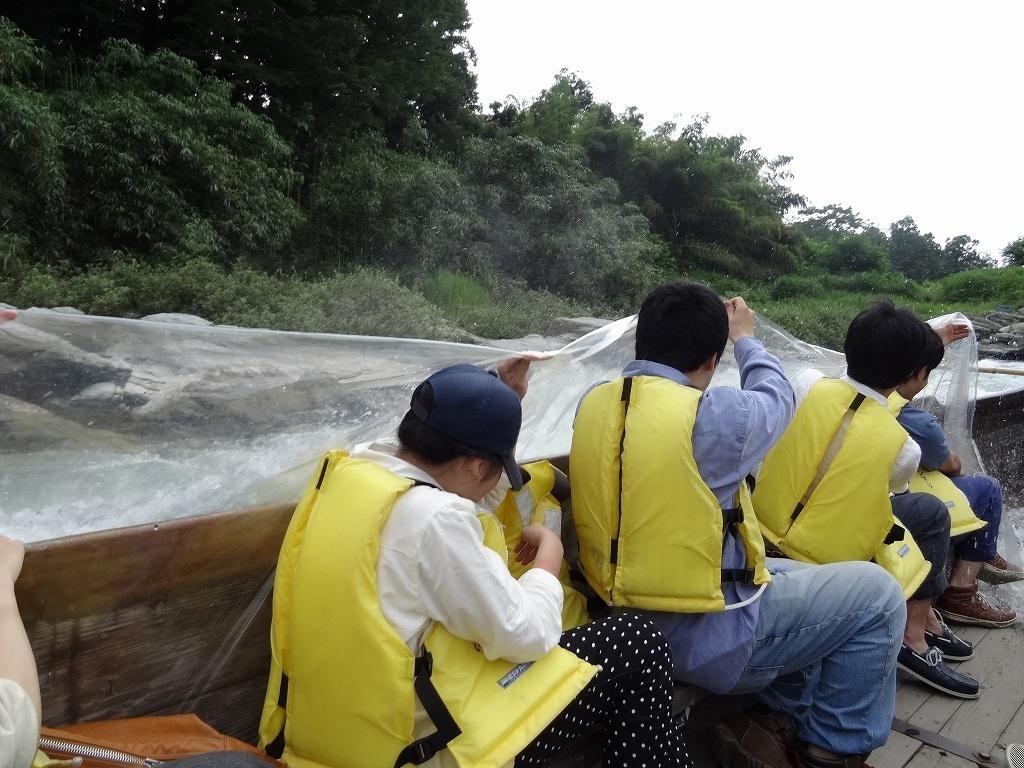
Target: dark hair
681 325
884 345
433 446
933 352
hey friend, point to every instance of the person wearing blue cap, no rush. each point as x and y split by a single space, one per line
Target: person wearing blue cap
432 569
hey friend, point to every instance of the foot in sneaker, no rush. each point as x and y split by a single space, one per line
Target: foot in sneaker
998 571
929 668
964 605
949 645
755 740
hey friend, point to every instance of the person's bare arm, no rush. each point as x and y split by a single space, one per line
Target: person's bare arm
541 547
952 466
16 660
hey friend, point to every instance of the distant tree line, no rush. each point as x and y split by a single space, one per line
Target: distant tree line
304 139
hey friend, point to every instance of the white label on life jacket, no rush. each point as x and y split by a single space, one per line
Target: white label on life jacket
513 674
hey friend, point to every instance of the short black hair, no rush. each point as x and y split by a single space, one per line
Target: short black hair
934 351
884 345
433 446
681 325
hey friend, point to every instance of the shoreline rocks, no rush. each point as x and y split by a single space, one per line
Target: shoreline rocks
1000 334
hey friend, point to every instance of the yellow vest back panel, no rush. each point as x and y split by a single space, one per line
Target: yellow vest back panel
650 529
848 515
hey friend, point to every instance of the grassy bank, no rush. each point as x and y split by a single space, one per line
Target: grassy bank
446 305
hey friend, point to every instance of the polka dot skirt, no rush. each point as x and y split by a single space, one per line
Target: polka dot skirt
630 698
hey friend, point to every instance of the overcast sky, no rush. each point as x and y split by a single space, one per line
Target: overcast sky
894 108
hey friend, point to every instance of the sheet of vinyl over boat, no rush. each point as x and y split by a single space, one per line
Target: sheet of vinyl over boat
108 422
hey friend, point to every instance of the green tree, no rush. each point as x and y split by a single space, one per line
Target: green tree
334 68
1013 253
142 156
912 253
855 253
961 254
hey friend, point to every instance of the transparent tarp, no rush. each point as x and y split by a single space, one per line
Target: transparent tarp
108 422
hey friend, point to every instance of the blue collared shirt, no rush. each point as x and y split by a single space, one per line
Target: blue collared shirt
734 430
927 433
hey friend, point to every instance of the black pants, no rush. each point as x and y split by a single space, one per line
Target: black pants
630 698
927 519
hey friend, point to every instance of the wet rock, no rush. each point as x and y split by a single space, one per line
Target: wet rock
1000 335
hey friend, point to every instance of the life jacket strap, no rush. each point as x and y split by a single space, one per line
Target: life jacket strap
830 454
732 516
423 749
627 390
738 575
276 748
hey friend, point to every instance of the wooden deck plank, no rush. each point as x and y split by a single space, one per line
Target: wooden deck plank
980 722
897 752
929 757
1014 733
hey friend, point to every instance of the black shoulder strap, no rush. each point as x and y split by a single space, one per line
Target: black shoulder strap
423 749
627 390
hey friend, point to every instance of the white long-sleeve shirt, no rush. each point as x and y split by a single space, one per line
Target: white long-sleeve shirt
434 567
19 726
909 456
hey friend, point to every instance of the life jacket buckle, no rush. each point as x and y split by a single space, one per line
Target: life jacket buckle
424 663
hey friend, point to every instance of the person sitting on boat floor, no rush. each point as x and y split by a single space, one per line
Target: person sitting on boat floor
823 492
393 602
674 534
975 555
20 708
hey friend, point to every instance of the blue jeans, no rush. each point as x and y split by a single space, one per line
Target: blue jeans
825 652
986 498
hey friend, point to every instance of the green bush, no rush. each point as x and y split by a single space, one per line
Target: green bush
796 286
878 283
994 286
454 292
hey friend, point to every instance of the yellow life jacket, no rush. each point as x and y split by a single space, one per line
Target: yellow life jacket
650 529
535 503
961 517
822 495
341 689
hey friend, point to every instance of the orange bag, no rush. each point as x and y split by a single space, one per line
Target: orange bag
155 738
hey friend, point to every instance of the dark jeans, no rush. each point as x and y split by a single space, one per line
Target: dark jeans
927 519
986 498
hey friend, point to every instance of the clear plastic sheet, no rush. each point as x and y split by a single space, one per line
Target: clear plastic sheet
108 422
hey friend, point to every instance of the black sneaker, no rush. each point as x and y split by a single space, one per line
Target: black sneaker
929 668
950 646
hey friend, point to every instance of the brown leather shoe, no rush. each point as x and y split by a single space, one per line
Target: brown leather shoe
998 571
963 605
755 740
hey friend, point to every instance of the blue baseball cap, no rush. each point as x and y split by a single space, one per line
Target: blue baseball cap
475 407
